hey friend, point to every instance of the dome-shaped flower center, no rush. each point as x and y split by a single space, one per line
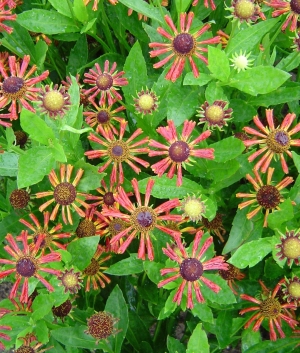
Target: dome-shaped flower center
191 269
116 226
104 82
240 62
144 218
70 280
86 228
268 197
294 289
229 274
193 208
295 6
146 102
53 101
26 267
92 268
214 114
244 9
278 141
118 151
64 193
21 138
19 199
13 87
103 117
179 151
109 199
214 224
184 44
25 349
270 308
62 310
100 325
291 248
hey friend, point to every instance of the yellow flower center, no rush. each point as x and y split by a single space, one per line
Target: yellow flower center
214 113
53 101
291 248
146 102
270 308
294 289
244 9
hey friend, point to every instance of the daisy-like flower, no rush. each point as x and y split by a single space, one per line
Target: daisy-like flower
101 325
291 8
141 16
142 220
270 308
54 101
214 226
18 88
146 102
4 336
90 225
27 264
241 61
63 310
107 195
103 116
6 15
214 115
64 194
190 269
50 235
95 3
230 275
182 46
265 196
105 83
118 150
19 199
193 208
94 271
179 150
246 10
28 347
289 247
291 289
71 280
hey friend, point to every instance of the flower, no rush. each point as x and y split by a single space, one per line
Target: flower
289 247
212 4
27 264
291 289
54 101
22 139
291 8
230 275
103 116
19 199
71 280
18 88
193 207
240 62
105 83
6 15
266 196
95 3
27 347
48 235
118 151
183 45
214 115
63 310
94 271
144 17
246 10
179 151
142 220
4 336
90 225
270 308
64 194
146 102
101 325
273 141
214 226
190 269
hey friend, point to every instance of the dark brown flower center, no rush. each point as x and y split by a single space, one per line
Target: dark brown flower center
19 199
104 82
25 349
144 218
13 87
270 308
109 199
179 151
62 310
100 325
295 6
64 193
21 138
278 141
86 228
92 268
214 224
102 117
268 197
184 44
26 267
229 274
118 151
191 269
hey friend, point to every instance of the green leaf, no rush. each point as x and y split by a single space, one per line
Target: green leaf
224 296
41 49
198 342
223 328
218 64
42 305
91 178
296 159
9 164
290 62
127 266
153 270
70 118
37 129
245 256
82 251
284 345
47 22
78 56
227 149
284 214
242 111
280 96
80 11
116 305
203 312
143 8
214 92
42 332
202 80
62 7
58 151
250 338
169 307
174 346
137 332
34 164
259 80
182 5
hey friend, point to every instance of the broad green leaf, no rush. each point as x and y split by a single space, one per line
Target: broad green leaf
191 80
9 164
280 96
290 62
137 331
284 214
169 307
42 331
47 22
227 149
296 159
80 11
58 151
70 118
284 345
143 8
203 312
41 49
214 92
58 296
242 111
117 306
224 296
245 256
218 64
272 270
198 341
91 178
182 5
174 346
82 251
127 266
78 55
259 80
153 270
250 338
41 306
62 7
224 328
34 164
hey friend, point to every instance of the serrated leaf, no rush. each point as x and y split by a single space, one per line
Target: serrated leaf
82 251
143 8
227 149
280 96
198 341
127 266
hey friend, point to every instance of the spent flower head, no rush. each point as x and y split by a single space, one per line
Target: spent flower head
146 102
215 114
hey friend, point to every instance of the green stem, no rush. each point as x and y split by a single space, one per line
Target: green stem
157 329
54 64
106 48
106 28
